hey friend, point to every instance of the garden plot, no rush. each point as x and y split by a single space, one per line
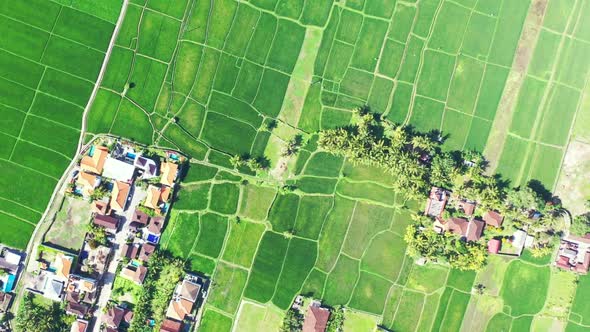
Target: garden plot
48 67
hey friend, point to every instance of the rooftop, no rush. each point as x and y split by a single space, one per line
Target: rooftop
118 170
119 195
168 173
316 319
94 160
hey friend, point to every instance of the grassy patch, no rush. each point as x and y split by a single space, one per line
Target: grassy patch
529 300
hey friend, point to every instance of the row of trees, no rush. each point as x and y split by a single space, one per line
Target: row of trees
418 162
163 275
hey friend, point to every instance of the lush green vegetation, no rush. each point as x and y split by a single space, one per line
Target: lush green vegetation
233 84
48 66
35 314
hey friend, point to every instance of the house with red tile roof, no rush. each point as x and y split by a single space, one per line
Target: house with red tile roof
119 195
93 161
168 173
493 218
316 318
494 246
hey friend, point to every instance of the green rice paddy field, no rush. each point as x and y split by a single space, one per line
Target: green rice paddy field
211 77
50 56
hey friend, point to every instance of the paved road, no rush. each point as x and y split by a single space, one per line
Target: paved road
110 274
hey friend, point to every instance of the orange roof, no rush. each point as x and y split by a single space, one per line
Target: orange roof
63 265
88 182
179 308
169 171
153 197
165 196
119 195
95 163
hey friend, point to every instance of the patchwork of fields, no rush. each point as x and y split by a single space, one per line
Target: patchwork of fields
50 56
225 77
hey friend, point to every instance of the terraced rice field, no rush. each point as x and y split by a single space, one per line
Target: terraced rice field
50 56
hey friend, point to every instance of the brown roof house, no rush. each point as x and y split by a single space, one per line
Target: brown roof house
119 195
147 249
168 174
470 230
101 207
467 207
108 222
435 205
493 218
130 250
140 217
134 273
114 316
170 325
316 318
79 325
183 300
155 225
93 161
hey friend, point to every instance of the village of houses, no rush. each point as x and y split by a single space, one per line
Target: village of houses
129 197
573 253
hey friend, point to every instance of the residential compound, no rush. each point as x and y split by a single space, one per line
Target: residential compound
130 189
457 215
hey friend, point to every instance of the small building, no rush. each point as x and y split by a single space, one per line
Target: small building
63 266
81 289
94 160
5 301
155 226
118 170
109 222
101 207
574 254
119 195
168 171
134 273
10 261
147 249
494 246
493 218
79 325
183 301
87 182
316 318
114 316
467 207
130 250
457 226
77 309
474 230
170 325
437 201
147 165
156 197
53 289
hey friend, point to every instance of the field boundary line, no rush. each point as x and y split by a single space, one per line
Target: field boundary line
529 36
101 73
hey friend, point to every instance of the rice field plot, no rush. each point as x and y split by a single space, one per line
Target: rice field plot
226 77
48 66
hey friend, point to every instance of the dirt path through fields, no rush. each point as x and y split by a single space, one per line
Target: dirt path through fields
505 112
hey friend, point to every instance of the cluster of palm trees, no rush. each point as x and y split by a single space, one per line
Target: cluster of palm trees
424 242
394 148
253 163
33 316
